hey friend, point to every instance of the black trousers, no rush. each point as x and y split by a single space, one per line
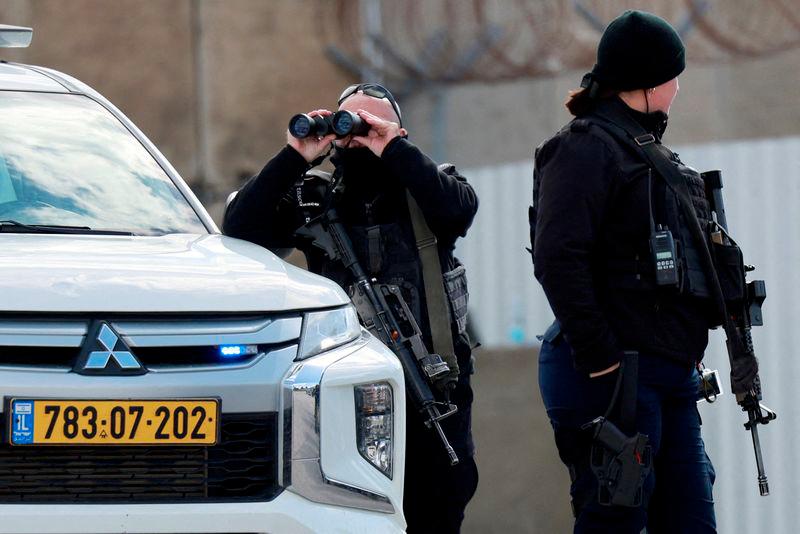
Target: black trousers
436 493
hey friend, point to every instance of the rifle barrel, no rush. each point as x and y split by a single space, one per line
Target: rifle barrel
434 415
763 484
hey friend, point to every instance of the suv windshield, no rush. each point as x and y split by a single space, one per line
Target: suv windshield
66 160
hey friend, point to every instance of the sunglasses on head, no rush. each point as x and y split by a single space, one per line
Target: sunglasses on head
374 90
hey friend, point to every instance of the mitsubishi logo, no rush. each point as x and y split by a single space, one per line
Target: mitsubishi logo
105 353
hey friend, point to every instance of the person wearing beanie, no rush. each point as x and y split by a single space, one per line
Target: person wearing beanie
632 320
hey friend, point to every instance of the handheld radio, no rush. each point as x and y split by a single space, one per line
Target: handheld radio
662 246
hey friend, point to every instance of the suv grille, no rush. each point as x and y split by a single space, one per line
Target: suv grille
150 357
157 341
243 466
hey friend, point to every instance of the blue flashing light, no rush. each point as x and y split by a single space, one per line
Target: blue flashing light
231 351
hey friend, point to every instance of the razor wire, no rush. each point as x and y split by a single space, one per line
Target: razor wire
453 41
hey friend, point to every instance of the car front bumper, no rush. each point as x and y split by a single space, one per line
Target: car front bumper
327 485
288 513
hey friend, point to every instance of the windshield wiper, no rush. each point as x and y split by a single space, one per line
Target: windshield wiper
11 226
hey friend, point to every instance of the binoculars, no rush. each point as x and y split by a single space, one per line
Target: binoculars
342 123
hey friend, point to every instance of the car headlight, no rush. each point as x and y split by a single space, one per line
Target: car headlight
328 329
375 425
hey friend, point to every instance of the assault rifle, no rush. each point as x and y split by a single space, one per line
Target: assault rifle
384 312
744 314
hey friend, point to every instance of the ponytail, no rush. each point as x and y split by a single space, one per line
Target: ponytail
581 101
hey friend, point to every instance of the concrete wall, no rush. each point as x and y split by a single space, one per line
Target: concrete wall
524 487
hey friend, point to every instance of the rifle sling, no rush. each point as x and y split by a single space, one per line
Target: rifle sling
435 298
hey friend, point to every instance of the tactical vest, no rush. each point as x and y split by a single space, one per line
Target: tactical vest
388 253
631 265
692 276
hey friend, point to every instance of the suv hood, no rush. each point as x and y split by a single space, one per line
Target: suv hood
174 273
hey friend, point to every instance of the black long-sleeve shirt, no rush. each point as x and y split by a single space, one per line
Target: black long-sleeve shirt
572 202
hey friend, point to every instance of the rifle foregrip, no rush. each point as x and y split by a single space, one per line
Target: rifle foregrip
747 337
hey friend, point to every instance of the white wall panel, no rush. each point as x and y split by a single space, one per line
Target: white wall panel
762 195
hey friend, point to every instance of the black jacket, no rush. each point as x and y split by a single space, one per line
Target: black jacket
265 211
591 204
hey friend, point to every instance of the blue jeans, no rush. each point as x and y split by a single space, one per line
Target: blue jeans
678 492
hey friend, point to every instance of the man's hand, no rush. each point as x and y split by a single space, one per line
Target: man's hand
311 147
604 371
381 132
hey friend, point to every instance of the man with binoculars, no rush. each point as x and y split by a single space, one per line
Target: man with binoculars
383 189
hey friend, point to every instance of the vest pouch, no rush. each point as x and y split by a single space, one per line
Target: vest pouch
455 285
729 263
692 278
690 266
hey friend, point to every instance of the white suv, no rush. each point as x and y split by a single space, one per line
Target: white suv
156 376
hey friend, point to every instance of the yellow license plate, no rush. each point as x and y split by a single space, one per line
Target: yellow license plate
113 422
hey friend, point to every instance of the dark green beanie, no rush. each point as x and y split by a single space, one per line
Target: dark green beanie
638 50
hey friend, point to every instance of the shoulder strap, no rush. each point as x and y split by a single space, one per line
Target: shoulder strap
632 134
435 298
